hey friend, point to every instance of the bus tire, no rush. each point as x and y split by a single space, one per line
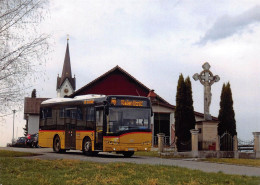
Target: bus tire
56 144
87 146
128 154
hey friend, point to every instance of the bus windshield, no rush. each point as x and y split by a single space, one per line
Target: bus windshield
123 119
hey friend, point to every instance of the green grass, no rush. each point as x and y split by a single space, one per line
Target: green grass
245 162
35 171
7 153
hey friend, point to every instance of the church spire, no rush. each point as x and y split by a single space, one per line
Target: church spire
66 73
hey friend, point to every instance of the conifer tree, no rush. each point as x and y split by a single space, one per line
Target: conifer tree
33 93
189 119
179 110
184 111
226 115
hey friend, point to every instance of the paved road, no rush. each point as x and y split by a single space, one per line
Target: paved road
108 158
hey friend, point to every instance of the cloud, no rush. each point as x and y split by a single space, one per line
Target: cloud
227 26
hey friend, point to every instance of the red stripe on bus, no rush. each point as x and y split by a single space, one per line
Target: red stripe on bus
51 130
84 131
128 134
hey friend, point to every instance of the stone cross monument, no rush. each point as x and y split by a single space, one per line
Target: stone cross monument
207 79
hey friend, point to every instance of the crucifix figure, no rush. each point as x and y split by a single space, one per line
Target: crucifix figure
207 79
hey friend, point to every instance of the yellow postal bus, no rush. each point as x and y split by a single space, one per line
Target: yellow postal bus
95 123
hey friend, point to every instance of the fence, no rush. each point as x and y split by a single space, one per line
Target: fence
166 140
246 145
226 142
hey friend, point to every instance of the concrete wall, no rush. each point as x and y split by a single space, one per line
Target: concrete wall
33 124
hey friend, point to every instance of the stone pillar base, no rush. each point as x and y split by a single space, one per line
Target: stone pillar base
208 135
236 154
194 142
257 144
160 142
195 154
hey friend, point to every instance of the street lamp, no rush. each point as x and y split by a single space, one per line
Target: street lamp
13 125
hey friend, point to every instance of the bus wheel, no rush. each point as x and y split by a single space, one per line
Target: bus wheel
87 146
56 144
128 154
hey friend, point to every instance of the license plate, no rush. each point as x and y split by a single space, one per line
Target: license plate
131 149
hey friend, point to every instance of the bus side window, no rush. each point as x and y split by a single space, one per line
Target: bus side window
42 121
42 113
48 112
79 114
45 113
99 117
62 113
73 114
67 113
90 114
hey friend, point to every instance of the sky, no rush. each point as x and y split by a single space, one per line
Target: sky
156 41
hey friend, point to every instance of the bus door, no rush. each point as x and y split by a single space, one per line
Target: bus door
70 128
99 128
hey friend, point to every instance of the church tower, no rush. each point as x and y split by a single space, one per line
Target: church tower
66 85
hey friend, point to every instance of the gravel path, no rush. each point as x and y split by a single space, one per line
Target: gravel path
108 158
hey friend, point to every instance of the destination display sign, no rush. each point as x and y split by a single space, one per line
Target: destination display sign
88 101
128 102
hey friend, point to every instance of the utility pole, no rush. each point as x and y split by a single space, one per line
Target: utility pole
13 126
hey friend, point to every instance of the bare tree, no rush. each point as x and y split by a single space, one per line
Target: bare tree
22 49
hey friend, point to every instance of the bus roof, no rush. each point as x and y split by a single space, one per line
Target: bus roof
86 99
76 98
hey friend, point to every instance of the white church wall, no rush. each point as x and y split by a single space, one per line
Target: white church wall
66 85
